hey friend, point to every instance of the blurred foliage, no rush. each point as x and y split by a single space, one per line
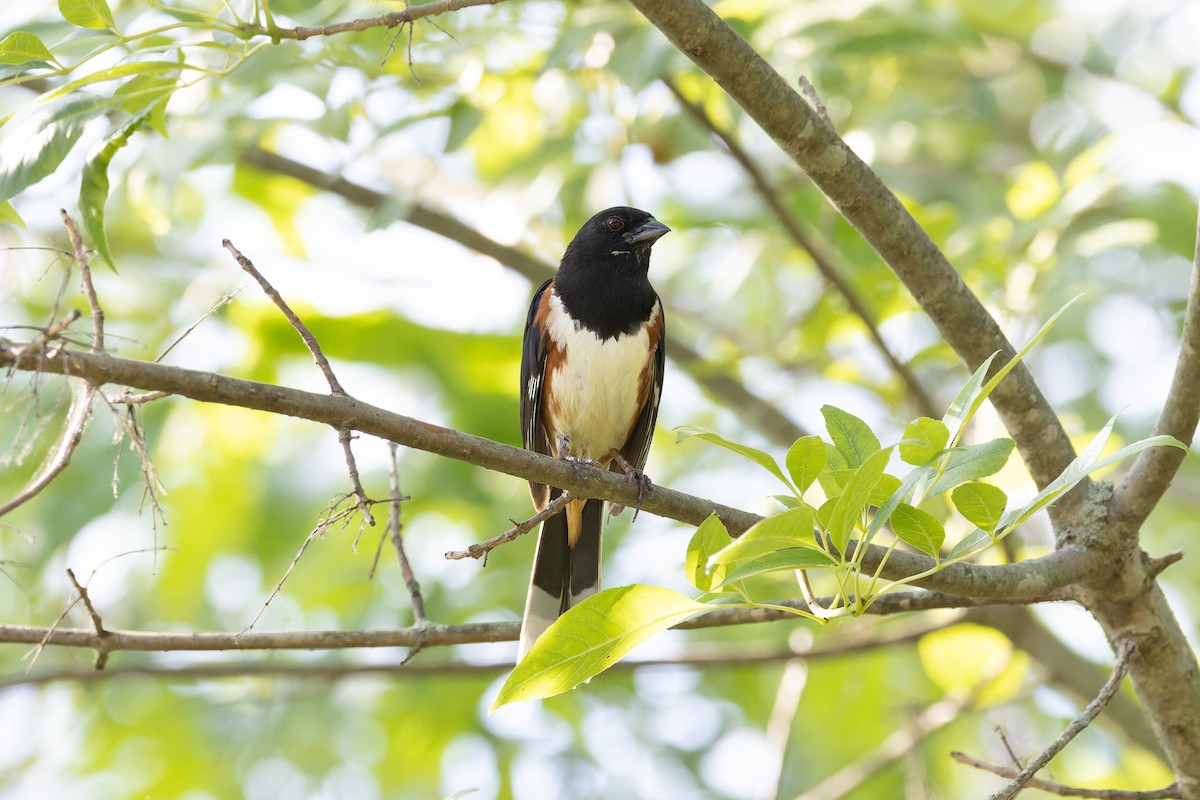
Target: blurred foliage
1045 145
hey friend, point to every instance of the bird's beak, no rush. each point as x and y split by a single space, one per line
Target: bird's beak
648 232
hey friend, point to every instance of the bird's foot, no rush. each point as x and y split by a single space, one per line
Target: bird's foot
644 484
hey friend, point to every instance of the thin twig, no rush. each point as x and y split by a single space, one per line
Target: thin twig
215 307
388 20
481 549
129 398
89 289
1124 655
821 257
362 502
396 529
97 623
810 94
1166 793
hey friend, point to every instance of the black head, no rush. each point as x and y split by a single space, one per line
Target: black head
618 238
603 279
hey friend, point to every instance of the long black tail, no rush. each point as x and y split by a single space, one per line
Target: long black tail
562 575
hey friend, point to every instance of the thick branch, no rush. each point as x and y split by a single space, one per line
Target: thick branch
1026 579
1137 495
874 211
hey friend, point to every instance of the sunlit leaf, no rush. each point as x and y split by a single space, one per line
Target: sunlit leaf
980 503
918 528
923 439
852 437
805 460
593 636
791 528
35 150
971 463
87 13
9 215
93 190
883 490
764 460
850 503
708 539
22 48
791 559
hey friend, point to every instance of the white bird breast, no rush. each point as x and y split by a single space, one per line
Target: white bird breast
596 388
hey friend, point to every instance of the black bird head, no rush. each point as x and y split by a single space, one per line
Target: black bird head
616 237
603 280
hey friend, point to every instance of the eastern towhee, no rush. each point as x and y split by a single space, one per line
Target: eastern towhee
591 377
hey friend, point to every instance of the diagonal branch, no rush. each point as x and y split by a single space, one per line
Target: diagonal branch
1061 568
1143 486
817 251
876 213
1076 727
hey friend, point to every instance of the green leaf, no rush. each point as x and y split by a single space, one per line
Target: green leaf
87 13
972 540
786 500
93 190
850 502
805 460
764 460
22 48
1024 351
833 478
924 438
9 215
791 559
593 636
883 490
1084 464
791 528
850 435
918 528
971 463
708 539
918 475
963 407
37 147
980 503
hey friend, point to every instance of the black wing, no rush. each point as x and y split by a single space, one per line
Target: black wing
637 449
533 372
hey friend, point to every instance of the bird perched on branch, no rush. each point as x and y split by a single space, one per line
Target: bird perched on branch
591 377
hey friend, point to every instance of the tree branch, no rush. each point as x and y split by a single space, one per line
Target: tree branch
1075 728
1026 579
876 213
1143 486
1166 793
429 634
389 20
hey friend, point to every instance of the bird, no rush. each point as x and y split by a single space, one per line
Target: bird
591 379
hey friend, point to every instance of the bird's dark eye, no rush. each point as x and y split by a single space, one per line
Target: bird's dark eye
614 223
